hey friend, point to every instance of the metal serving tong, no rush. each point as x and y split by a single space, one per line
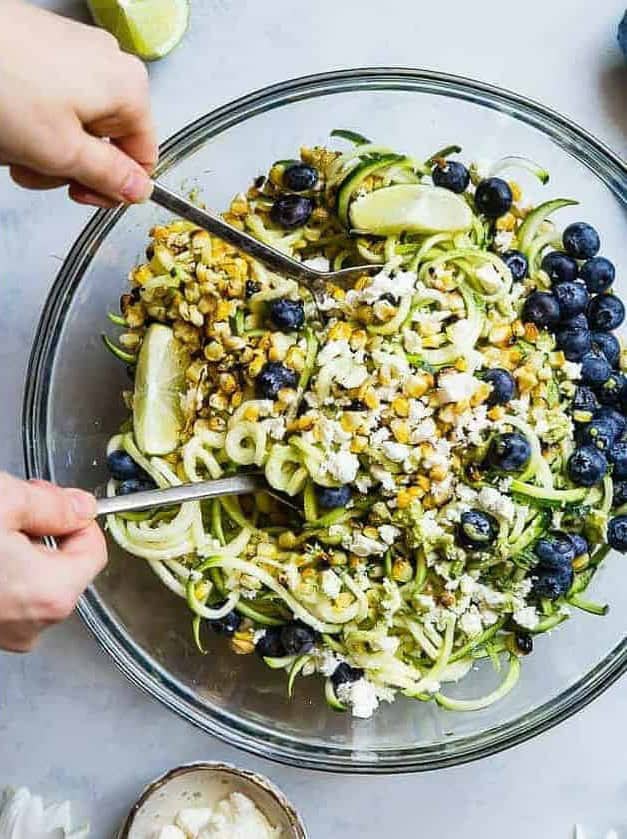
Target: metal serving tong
272 258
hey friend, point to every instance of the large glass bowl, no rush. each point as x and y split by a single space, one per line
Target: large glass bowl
73 404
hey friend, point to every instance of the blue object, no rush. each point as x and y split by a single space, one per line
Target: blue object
287 314
227 625
581 240
542 309
587 466
552 582
451 175
608 344
121 466
560 267
517 264
622 34
585 402
273 377
509 451
493 197
595 369
477 530
598 274
600 433
331 497
605 313
555 550
614 416
345 674
580 321
579 544
270 644
618 458
299 176
574 343
573 299
297 638
617 533
620 494
132 485
503 386
291 211
614 390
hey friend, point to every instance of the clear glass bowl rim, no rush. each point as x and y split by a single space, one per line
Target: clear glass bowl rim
140 668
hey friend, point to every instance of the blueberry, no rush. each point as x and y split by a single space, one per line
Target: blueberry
390 298
252 287
600 433
517 264
270 644
573 299
560 267
291 211
595 369
331 497
135 485
617 533
615 417
122 466
524 643
579 544
297 638
587 466
287 314
477 530
551 582
584 404
299 177
605 313
580 321
581 240
622 34
451 175
598 274
503 386
620 494
509 451
345 674
273 377
227 625
542 309
574 343
608 344
555 550
618 458
614 390
493 197
356 405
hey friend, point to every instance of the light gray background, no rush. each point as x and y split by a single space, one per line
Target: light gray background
70 725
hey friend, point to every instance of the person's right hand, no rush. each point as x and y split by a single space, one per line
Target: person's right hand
39 587
65 86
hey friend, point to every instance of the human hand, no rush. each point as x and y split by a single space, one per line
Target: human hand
38 586
65 86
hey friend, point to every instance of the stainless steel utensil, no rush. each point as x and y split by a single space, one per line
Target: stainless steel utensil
273 259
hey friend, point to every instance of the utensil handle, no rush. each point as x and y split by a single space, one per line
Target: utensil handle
268 256
237 485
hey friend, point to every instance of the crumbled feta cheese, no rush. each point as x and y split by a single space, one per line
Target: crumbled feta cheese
392 601
275 427
385 478
258 634
343 466
424 601
192 820
363 483
318 263
498 505
470 622
396 452
412 341
429 527
456 387
466 494
462 333
442 490
489 278
328 662
425 430
361 696
388 533
503 240
377 437
418 411
332 350
467 584
519 406
526 617
363 546
399 284
504 484
332 432
237 817
572 370
331 583
349 373
480 169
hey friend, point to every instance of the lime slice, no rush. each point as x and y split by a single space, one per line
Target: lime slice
411 208
159 383
149 29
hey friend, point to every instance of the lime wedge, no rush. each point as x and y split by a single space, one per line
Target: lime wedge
159 383
149 29
411 208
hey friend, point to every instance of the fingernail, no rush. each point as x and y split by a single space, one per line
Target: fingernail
137 188
83 504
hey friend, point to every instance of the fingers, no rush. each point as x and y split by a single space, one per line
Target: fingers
81 557
102 168
81 195
29 179
41 509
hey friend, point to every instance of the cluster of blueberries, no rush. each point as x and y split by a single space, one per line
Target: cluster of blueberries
292 210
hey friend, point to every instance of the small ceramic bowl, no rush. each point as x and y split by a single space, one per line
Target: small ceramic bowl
203 784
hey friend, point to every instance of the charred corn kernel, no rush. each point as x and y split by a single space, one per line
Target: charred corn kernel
438 473
423 482
400 430
337 293
447 599
295 359
251 413
516 190
496 413
218 401
531 332
400 406
358 339
130 340
239 205
461 364
429 502
338 558
141 275
254 368
417 385
234 342
266 549
371 532
195 316
371 399
500 334
237 399
195 371
308 575
383 310
287 540
481 394
286 396
518 328
580 563
526 379
359 444
227 383
340 330
217 423
276 353
365 314
403 499
506 222
305 423
557 358
213 351
350 422
224 309
545 374
202 589
242 643
402 571
343 600
362 283
413 492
